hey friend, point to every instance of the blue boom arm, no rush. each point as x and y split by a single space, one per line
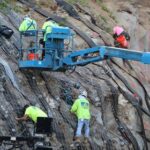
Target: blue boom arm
56 55
99 53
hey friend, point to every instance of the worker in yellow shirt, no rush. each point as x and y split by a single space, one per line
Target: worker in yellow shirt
47 26
27 24
31 112
81 109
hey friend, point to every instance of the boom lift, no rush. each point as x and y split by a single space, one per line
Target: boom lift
60 56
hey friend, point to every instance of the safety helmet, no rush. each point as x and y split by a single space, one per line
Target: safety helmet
26 17
117 30
84 93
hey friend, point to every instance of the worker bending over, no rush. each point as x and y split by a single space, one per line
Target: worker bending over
121 38
81 109
31 112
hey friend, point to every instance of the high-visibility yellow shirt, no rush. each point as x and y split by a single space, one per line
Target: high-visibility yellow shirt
34 112
47 27
28 24
81 108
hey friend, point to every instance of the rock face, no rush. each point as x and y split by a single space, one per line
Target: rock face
118 92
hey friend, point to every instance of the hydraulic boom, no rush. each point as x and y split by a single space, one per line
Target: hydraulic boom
58 53
101 52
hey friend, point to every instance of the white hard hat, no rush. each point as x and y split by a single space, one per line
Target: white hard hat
84 93
26 17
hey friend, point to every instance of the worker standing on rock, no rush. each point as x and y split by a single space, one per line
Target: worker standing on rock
81 109
31 112
121 37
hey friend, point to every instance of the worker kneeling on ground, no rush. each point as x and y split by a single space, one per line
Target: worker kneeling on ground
31 112
121 38
82 110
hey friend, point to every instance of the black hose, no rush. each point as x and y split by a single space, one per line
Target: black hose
59 20
125 132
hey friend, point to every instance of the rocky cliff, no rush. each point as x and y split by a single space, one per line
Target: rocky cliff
118 92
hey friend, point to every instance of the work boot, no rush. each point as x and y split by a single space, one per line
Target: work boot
75 143
86 140
77 139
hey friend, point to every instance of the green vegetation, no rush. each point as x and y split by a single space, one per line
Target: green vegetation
45 2
103 18
104 23
108 29
104 8
82 2
17 9
112 16
8 4
3 5
108 11
99 1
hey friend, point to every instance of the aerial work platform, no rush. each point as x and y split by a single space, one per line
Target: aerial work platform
58 52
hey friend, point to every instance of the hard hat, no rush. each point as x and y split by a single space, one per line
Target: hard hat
118 30
84 93
26 17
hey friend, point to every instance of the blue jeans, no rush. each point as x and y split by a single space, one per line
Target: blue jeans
81 123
